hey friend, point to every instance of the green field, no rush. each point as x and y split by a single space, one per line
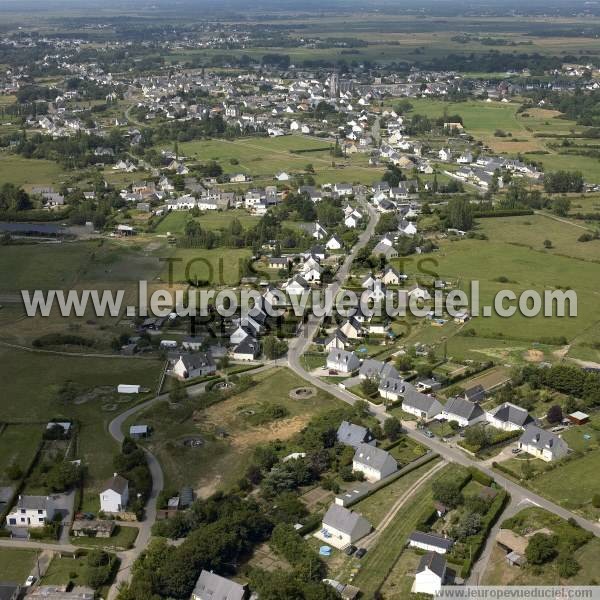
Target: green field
95 447
219 266
62 569
122 539
18 444
174 222
29 171
16 564
589 167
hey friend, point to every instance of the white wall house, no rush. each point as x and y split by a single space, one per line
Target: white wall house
114 495
342 361
430 542
509 417
31 511
463 412
430 574
375 464
543 444
420 405
341 527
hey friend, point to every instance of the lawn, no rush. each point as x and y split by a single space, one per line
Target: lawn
589 166
376 506
16 564
220 461
63 569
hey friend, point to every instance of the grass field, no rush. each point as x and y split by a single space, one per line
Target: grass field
16 564
219 266
174 222
29 171
40 393
220 462
122 539
18 444
589 167
62 568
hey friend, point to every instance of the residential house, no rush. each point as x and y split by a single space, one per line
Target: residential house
297 285
343 189
353 435
376 369
211 586
247 349
430 542
31 511
420 405
334 243
376 464
393 277
342 361
430 574
337 340
342 527
114 494
543 444
463 411
475 393
509 417
392 388
352 329
198 364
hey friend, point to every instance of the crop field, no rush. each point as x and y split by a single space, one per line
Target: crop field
220 461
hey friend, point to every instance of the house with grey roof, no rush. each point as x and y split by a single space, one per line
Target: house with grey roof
353 435
341 527
509 417
463 411
376 369
392 388
337 340
114 494
247 349
430 574
475 393
420 405
211 586
374 463
192 365
342 361
31 511
430 542
543 444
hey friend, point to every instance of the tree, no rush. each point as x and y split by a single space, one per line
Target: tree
460 214
178 391
555 414
568 566
392 428
470 524
548 244
561 206
447 492
368 386
541 548
404 363
273 347
476 437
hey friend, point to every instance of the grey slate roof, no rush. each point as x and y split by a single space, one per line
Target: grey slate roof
211 586
372 456
353 435
33 502
540 438
197 360
463 408
116 483
342 519
509 413
336 334
435 562
418 400
431 539
475 394
393 384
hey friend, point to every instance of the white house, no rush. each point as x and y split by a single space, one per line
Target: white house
341 527
351 221
31 511
333 243
343 189
337 340
247 349
463 411
445 154
114 495
392 388
509 417
297 285
430 574
352 329
393 277
342 361
542 444
420 405
430 542
374 463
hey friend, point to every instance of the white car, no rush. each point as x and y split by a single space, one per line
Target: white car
30 581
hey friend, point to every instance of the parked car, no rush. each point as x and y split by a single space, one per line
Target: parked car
429 434
350 550
360 552
333 372
516 450
30 581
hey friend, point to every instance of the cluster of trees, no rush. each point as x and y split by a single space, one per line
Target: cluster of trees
219 531
14 199
100 567
566 379
460 214
562 182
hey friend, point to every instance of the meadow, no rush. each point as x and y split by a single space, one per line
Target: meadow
175 221
16 564
30 171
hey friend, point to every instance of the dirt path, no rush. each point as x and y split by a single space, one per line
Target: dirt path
389 517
